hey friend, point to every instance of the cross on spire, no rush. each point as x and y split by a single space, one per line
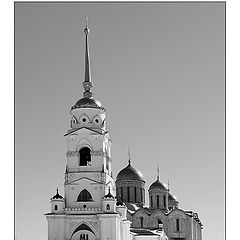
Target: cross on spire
158 172
129 156
86 21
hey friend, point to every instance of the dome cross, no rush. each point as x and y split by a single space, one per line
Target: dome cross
129 156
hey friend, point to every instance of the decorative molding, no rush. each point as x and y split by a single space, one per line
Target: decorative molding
98 153
72 154
93 153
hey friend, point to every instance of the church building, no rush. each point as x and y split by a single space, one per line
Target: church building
94 206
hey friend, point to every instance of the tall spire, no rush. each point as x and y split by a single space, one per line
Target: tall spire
87 84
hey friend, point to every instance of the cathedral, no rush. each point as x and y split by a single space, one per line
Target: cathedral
95 206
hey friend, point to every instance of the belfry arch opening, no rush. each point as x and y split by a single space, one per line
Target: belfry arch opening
85 156
84 196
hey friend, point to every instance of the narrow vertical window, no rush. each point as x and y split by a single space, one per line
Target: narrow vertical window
143 193
108 207
141 222
56 207
135 194
121 194
151 201
164 201
82 237
128 194
157 201
177 225
141 198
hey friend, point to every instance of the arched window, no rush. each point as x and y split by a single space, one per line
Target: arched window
151 201
56 207
108 207
85 156
141 222
157 201
84 196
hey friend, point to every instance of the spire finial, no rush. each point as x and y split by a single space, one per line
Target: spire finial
86 21
129 157
87 84
57 190
158 172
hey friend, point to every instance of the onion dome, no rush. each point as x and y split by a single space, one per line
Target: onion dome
57 196
109 195
130 173
158 185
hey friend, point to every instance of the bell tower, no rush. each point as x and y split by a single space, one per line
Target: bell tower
88 172
88 209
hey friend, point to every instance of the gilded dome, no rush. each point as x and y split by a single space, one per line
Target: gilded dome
87 103
158 185
130 173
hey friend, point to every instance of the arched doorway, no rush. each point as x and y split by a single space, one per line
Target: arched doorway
83 232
